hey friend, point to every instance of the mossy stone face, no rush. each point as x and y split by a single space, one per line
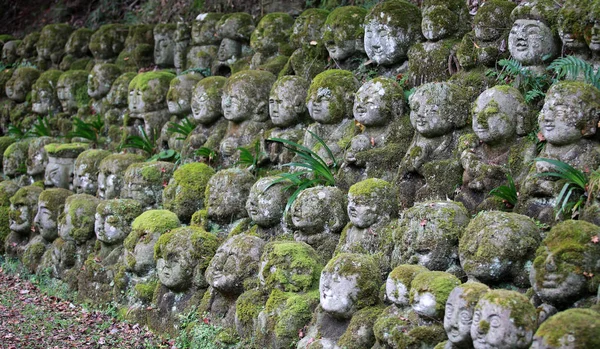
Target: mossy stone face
266 202
206 99
491 20
145 182
287 101
429 292
78 43
344 31
52 41
27 47
573 327
76 223
503 319
272 33
235 260
246 95
148 91
204 29
111 174
9 52
19 85
51 203
226 194
86 170
371 201
44 99
164 44
7 190
497 246
14 158
236 26
23 208
359 333
348 283
101 78
108 41
185 193
113 219
119 91
458 314
308 27
290 266
180 93
318 210
72 89
378 102
561 262
330 96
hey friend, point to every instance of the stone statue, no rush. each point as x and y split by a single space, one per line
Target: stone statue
77 50
245 104
76 224
19 85
179 103
37 158
70 88
502 320
117 107
51 45
439 112
61 163
27 48
344 35
23 208
44 100
184 194
108 41
100 81
271 39
86 168
9 52
113 220
182 42
576 328
111 174
593 36
233 54
51 203
146 181
265 206
138 50
458 315
14 158
317 216
164 44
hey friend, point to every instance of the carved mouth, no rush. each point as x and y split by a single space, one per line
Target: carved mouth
521 45
549 127
551 281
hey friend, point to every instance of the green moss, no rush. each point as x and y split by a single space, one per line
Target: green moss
212 86
406 273
53 37
4 38
522 313
579 324
7 189
155 221
4 226
89 160
33 255
47 81
153 84
366 271
66 150
189 184
491 109
345 23
202 245
438 283
126 209
472 292
82 208
248 305
26 196
397 14
55 198
145 291
291 266
274 65
337 85
153 173
240 25
76 81
542 10
296 313
272 33
250 84
362 321
200 219
18 148
117 163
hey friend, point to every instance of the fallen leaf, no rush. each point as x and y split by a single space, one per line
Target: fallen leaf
595 239
423 222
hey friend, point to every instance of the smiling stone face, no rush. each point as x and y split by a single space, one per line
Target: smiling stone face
113 219
458 315
531 41
50 205
317 210
433 107
23 208
286 101
266 202
343 34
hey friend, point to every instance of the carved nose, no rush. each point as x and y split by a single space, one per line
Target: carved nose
550 264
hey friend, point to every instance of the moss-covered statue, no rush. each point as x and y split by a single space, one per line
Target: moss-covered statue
107 42
265 205
498 247
184 194
164 45
317 217
23 208
71 90
116 108
573 328
565 270
85 179
9 52
310 55
61 163
234 53
138 51
37 158
270 42
245 104
289 115
349 303
182 42
288 294
77 50
204 42
431 168
138 278
391 27
179 103
44 100
503 320
344 36
19 85
372 206
208 118
225 196
7 190
234 266
112 225
488 41
145 182
495 151
572 28
533 41
443 24
329 101
568 121
27 48
428 234
14 159
458 315
100 81
51 45
148 102
592 34
182 256
384 133
111 173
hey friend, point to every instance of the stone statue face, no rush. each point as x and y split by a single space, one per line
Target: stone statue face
369 108
58 172
226 201
429 119
363 212
66 96
205 108
44 100
438 22
164 49
9 52
493 327
229 49
458 318
594 40
554 277
37 158
305 212
46 220
286 103
529 41
85 180
20 218
12 163
319 106
338 293
558 120
99 82
385 45
396 291
136 101
490 123
265 205
180 94
343 44
109 185
237 105
175 270
119 93
109 228
236 259
17 87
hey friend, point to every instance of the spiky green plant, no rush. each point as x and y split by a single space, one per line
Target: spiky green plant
184 128
571 67
87 130
210 154
41 128
142 142
508 193
250 160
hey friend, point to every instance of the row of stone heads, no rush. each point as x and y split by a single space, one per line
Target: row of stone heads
560 265
385 33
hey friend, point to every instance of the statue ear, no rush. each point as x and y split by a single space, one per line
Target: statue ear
591 125
261 108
